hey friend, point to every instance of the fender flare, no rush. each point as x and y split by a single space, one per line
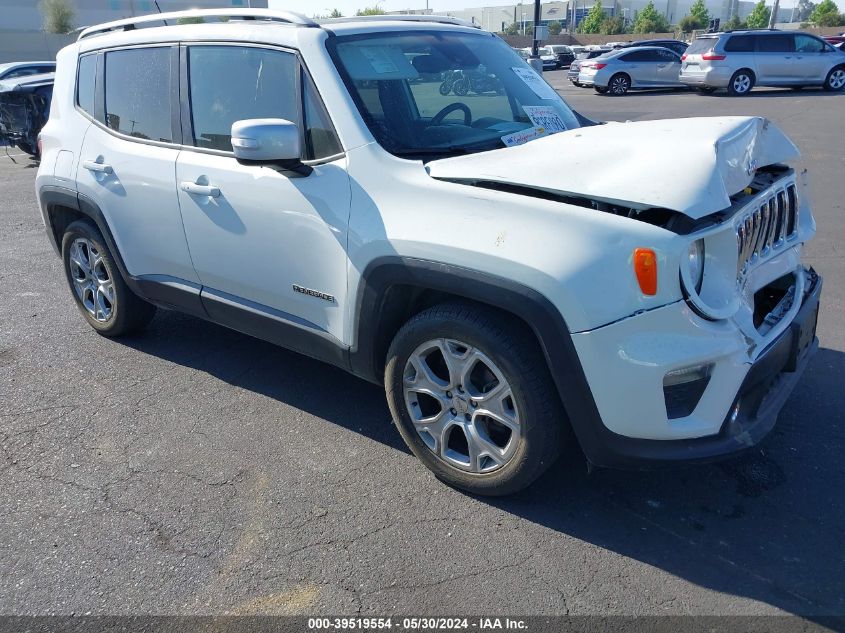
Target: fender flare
547 324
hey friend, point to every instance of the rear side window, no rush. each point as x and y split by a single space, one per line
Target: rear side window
642 56
233 83
666 55
138 93
701 45
774 43
740 44
85 83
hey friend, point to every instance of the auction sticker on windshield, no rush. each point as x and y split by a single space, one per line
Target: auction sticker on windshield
545 117
535 82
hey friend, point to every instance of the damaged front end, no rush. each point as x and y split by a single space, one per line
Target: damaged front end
24 109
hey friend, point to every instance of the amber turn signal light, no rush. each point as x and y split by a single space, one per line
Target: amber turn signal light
645 266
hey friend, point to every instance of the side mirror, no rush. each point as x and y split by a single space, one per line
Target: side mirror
268 142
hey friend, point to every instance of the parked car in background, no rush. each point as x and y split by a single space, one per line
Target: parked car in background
673 45
548 58
24 109
575 66
625 69
740 60
22 69
834 39
563 53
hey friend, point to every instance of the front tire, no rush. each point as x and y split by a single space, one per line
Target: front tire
835 80
473 399
741 83
101 294
600 90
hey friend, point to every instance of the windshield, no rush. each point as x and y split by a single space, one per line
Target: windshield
440 93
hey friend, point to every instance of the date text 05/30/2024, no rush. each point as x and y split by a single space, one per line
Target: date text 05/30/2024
417 624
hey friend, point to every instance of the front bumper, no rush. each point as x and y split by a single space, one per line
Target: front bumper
738 409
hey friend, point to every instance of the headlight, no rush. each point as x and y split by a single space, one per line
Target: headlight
695 263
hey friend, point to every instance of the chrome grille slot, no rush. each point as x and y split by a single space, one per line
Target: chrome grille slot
771 222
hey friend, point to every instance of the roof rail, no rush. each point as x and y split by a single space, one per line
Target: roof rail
129 24
436 19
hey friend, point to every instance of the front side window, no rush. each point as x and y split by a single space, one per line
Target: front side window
234 83
138 93
436 93
807 44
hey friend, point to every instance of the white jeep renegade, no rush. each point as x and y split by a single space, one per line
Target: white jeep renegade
508 269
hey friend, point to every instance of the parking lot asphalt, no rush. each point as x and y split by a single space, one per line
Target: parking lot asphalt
194 470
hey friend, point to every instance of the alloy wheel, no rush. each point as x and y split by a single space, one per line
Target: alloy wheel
619 86
742 84
92 283
837 79
461 405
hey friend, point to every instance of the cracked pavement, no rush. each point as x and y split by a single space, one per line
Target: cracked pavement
193 470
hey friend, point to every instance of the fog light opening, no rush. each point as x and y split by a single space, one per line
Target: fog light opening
683 388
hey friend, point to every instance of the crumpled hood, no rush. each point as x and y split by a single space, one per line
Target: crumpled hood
688 165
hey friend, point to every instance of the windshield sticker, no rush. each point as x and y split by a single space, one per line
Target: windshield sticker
523 136
535 82
379 58
545 117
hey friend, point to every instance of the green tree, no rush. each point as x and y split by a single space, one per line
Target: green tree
195 20
759 18
612 25
734 23
592 21
373 10
59 15
335 14
650 21
826 13
555 28
699 10
690 23
512 29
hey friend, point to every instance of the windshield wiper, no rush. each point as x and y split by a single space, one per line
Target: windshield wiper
440 151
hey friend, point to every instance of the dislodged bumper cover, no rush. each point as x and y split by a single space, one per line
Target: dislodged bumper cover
692 166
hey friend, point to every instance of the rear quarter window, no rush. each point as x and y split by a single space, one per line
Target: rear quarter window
740 44
85 83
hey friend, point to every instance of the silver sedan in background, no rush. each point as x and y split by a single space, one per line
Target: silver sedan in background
625 69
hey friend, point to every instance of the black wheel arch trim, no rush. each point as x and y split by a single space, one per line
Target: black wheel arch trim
536 310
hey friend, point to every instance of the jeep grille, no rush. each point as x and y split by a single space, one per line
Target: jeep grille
767 227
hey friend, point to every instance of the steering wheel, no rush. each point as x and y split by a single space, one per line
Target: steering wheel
437 119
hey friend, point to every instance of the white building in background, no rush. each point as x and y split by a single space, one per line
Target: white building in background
498 18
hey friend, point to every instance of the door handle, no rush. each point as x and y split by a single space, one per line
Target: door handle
100 168
200 190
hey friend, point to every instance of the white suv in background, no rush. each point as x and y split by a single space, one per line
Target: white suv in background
309 184
739 60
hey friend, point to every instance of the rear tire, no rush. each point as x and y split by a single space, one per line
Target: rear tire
494 422
619 84
835 80
741 83
707 89
600 90
100 293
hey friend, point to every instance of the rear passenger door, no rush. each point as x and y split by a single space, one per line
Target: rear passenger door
775 58
668 68
642 67
128 159
812 63
270 243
